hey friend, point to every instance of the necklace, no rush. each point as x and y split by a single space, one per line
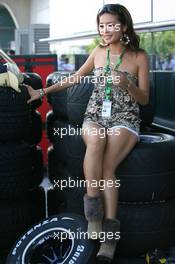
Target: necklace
114 55
118 61
108 89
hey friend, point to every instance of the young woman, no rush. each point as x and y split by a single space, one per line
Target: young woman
114 107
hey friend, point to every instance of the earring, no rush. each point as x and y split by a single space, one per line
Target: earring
125 39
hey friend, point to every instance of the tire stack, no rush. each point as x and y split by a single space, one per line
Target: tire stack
63 117
40 244
147 176
21 165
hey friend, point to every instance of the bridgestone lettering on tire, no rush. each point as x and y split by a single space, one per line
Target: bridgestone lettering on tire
40 244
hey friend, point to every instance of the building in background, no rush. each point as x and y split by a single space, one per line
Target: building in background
22 24
73 26
68 27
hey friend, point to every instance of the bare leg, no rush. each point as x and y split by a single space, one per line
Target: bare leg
117 148
95 140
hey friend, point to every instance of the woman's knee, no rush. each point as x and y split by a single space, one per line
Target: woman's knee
93 140
95 144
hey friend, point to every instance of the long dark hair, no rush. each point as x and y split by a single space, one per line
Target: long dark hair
125 19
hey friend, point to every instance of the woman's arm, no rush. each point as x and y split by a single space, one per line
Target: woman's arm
140 93
75 78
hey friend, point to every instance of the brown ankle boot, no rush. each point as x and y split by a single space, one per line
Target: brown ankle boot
93 209
111 229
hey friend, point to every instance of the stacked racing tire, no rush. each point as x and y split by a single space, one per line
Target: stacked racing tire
21 164
146 194
147 175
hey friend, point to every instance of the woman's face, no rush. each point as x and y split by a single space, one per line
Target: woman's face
110 28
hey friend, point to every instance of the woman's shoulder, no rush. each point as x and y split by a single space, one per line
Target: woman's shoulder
99 49
138 52
139 55
94 52
142 56
99 53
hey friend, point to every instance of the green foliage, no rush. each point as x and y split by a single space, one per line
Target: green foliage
94 43
161 43
146 42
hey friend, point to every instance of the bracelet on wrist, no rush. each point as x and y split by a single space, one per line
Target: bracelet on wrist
42 93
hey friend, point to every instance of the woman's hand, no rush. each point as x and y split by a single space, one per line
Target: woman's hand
34 94
122 80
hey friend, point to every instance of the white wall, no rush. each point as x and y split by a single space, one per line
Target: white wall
39 12
141 9
19 10
164 10
26 12
69 17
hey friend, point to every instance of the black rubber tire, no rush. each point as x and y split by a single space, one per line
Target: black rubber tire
15 114
69 149
16 173
3 257
55 168
134 260
34 80
17 216
38 166
45 243
77 100
50 118
53 78
144 227
66 199
147 112
147 225
27 79
35 135
145 174
58 100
